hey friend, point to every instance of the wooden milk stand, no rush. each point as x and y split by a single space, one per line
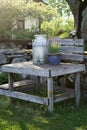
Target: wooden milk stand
72 50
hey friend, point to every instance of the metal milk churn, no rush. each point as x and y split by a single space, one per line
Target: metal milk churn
40 48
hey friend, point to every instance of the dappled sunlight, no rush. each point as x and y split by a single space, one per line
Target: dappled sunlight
23 115
81 128
41 119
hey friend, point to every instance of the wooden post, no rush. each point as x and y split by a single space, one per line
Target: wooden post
77 89
10 81
50 94
37 83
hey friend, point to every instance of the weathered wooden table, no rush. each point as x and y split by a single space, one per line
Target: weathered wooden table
49 72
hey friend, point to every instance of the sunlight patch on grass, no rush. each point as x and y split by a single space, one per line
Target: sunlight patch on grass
32 127
80 128
9 125
23 115
41 119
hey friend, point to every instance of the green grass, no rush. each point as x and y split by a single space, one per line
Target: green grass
30 116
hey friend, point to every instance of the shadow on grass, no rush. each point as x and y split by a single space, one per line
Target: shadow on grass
30 116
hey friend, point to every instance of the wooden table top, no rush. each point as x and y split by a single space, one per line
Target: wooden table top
45 70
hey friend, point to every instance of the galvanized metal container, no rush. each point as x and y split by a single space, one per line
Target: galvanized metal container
39 50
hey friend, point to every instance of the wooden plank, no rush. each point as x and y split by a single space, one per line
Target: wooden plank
23 96
77 89
26 68
18 84
72 57
64 96
63 89
67 69
71 49
61 69
69 42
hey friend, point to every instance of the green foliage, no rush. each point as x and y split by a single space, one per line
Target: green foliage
58 27
26 34
5 34
61 6
4 77
53 48
64 35
10 11
40 10
19 9
23 34
13 10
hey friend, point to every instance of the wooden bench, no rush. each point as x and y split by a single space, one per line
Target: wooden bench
72 51
71 63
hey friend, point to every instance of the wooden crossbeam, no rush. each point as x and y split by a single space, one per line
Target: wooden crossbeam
24 96
18 84
70 93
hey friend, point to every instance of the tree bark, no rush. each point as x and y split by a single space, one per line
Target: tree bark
78 7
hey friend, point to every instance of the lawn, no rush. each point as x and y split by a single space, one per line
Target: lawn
30 116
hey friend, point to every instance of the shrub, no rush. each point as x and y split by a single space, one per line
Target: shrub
23 34
26 34
5 34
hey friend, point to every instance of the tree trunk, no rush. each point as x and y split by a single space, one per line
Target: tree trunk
78 8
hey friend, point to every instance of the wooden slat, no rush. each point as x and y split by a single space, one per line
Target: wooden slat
18 84
69 42
64 96
63 89
23 96
72 57
67 93
72 49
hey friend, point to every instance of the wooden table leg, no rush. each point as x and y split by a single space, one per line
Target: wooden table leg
50 94
37 84
77 89
10 82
